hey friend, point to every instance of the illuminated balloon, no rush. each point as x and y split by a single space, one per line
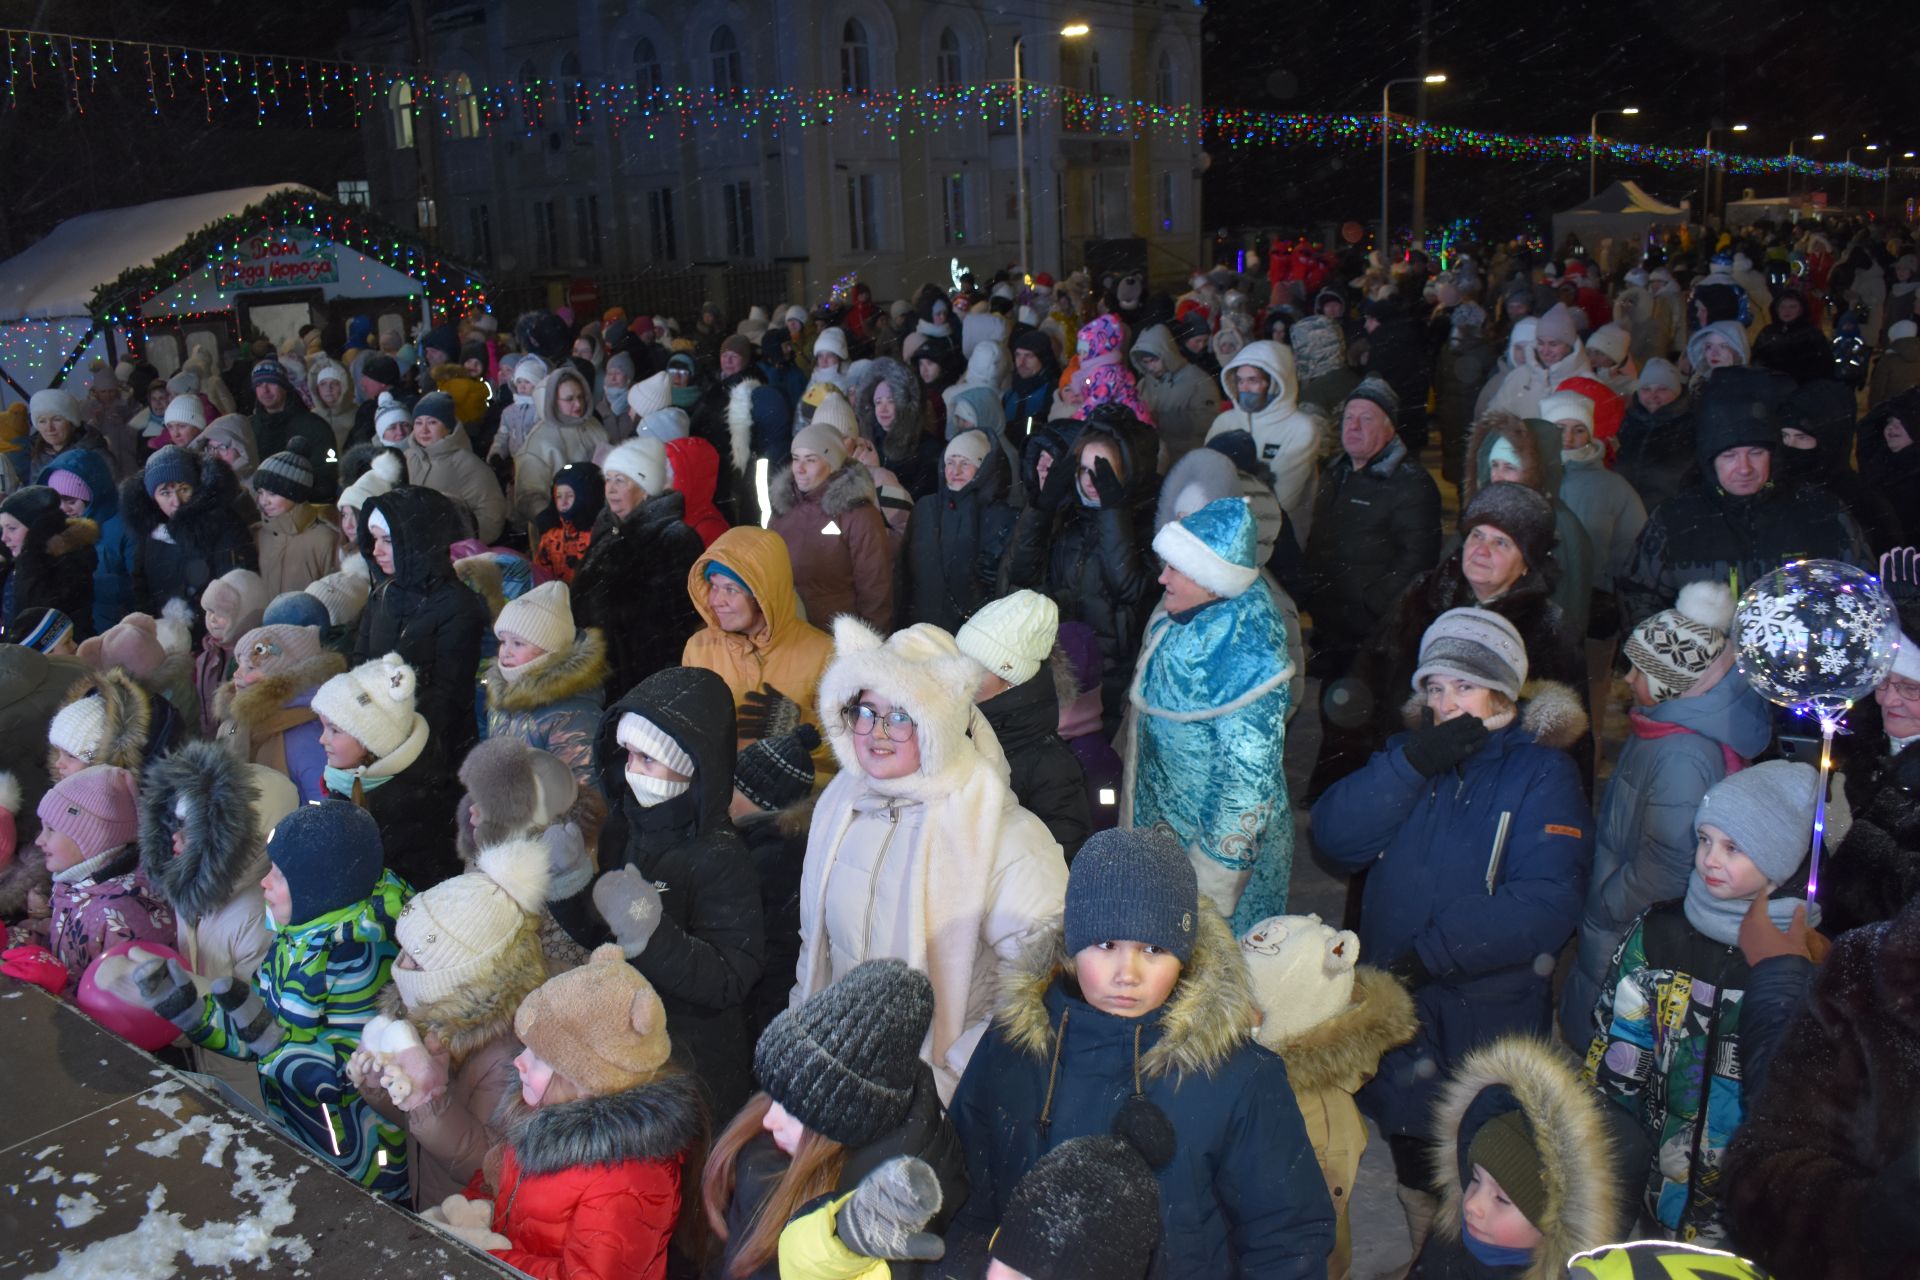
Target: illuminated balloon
1816 635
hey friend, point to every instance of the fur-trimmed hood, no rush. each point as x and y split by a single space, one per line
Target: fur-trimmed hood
66 536
1344 1051
652 1121
482 1009
902 443
1550 714
129 709
844 490
481 574
1535 440
203 789
268 696
579 672
1586 1202
1209 1016
204 518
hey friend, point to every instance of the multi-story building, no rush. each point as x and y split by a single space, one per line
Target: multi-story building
534 177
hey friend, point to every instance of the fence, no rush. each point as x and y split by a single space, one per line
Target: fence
679 293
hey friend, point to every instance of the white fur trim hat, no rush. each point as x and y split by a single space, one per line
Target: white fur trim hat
643 460
1216 546
1012 636
543 617
456 930
373 704
920 670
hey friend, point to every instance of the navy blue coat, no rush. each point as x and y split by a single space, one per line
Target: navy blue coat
1243 1194
1429 842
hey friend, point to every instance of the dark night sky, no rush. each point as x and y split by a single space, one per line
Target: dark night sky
1788 69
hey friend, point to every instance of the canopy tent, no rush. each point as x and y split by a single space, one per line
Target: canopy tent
1623 213
131 271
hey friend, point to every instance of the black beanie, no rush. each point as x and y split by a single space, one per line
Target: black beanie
32 504
1090 1209
844 1062
776 772
1522 513
381 368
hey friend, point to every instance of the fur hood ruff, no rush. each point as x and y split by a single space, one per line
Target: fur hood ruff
581 671
222 854
129 709
267 697
1210 1015
1584 1205
844 490
652 1121
1550 713
1344 1051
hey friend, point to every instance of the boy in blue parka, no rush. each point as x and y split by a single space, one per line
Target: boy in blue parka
331 907
1142 992
1480 842
85 484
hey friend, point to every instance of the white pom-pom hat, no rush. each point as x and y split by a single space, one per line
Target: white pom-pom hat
373 703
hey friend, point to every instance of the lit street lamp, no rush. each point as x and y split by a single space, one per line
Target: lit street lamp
1593 143
1072 31
1438 77
1818 137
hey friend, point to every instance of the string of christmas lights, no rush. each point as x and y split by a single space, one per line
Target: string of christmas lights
326 90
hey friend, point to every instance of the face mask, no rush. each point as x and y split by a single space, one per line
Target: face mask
649 791
1252 401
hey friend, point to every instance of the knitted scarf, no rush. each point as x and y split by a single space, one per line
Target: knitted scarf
1645 726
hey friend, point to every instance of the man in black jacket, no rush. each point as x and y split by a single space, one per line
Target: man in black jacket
1012 638
1738 518
1381 511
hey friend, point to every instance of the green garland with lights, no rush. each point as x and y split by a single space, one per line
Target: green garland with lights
452 287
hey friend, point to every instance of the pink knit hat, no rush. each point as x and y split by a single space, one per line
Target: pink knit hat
68 484
97 808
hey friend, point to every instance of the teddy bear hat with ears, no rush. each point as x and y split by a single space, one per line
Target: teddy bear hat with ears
1301 971
921 671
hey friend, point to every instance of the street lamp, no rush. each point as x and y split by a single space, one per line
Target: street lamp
1072 31
1593 142
1706 173
1818 137
1846 182
1438 77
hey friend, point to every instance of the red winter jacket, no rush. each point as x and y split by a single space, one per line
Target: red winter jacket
590 1190
696 469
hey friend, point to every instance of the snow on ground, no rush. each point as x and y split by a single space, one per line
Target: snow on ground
77 1211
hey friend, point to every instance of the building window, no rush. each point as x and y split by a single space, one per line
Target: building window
546 233
1166 90
724 56
354 191
736 200
1163 200
949 66
532 95
856 58
661 236
1093 72
955 190
463 109
576 105
479 233
400 105
586 228
863 212
647 74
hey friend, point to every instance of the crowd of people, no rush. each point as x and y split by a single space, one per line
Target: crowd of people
807 796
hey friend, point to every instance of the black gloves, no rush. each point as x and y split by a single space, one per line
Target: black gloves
767 713
1058 487
1113 495
1439 747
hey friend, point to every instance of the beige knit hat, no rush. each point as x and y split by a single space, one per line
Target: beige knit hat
835 411
456 931
543 617
373 703
240 596
1012 636
601 1025
344 594
649 394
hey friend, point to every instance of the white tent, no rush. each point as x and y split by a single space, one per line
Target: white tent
45 289
1623 213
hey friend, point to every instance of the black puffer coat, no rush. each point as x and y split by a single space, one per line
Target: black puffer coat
1376 528
55 570
425 614
1097 564
1894 475
913 448
633 586
705 953
1824 410
206 539
950 565
1797 347
1654 449
1047 777
415 811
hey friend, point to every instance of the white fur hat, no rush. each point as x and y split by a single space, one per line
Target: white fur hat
1301 972
922 672
373 703
643 460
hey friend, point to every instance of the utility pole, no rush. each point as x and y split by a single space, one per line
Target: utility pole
426 140
1420 152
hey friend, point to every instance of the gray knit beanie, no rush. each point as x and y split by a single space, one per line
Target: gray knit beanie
844 1062
1132 886
1374 390
1767 811
1476 645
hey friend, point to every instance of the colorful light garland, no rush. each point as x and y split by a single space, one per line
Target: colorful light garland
325 90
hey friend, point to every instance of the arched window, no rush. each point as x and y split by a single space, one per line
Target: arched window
1166 89
575 104
400 107
462 107
1093 72
532 95
647 74
856 58
724 57
949 67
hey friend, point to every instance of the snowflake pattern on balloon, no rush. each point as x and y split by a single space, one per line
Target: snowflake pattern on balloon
1833 661
1771 625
